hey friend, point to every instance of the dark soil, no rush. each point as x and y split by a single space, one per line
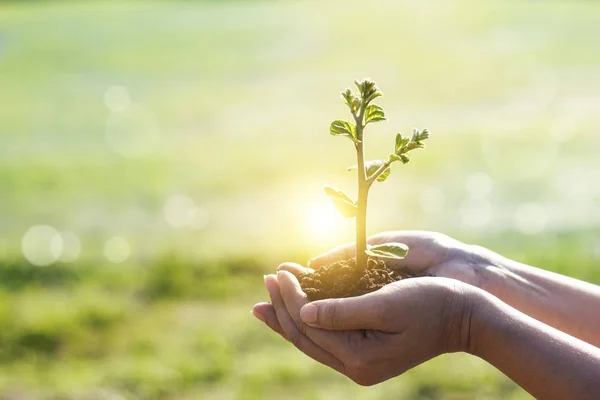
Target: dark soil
343 279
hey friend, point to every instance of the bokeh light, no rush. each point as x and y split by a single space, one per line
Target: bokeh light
71 247
432 200
200 218
117 250
41 245
479 185
180 211
116 98
531 218
133 131
475 213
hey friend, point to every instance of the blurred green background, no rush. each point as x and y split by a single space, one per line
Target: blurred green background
156 158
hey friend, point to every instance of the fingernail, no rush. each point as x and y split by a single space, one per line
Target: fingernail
265 279
258 316
308 313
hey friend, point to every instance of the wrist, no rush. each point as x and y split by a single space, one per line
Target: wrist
463 307
487 314
488 269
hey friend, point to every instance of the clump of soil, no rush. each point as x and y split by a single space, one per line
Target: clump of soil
344 279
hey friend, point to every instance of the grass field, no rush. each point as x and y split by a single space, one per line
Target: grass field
178 150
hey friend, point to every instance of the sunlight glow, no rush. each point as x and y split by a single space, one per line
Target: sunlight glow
322 220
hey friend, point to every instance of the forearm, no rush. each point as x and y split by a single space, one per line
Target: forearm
547 363
564 303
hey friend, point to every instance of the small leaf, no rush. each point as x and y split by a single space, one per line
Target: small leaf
337 194
420 135
348 97
394 157
343 128
404 158
374 113
412 146
355 104
401 142
373 96
368 90
384 175
388 250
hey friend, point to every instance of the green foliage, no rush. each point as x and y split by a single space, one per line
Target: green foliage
352 101
375 170
388 250
368 91
401 141
343 128
404 145
19 274
172 277
374 113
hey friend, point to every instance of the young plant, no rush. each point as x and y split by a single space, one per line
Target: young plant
364 113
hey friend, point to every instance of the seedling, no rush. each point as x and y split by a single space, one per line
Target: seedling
364 112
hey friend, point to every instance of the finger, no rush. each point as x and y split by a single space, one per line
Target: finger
294 268
423 250
301 341
369 311
265 312
294 298
338 253
343 252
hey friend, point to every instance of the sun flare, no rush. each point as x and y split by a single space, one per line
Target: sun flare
322 220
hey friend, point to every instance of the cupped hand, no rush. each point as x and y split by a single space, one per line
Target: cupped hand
373 337
430 253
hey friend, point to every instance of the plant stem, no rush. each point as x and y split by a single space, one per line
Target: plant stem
363 193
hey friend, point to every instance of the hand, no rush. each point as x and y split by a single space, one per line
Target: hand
430 253
377 336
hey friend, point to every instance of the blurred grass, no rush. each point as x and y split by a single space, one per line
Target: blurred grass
241 94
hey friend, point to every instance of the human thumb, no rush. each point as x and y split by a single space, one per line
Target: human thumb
362 312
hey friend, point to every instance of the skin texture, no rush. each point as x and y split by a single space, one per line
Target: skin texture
374 337
362 337
564 303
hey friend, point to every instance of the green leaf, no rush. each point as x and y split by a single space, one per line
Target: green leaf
368 90
388 250
404 158
420 135
343 128
374 113
401 142
384 175
344 203
348 97
373 96
394 157
355 104
412 146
